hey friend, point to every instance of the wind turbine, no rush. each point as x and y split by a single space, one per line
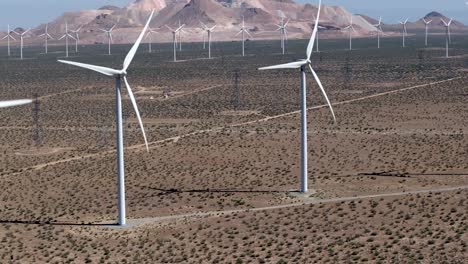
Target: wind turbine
46 36
109 36
77 35
180 35
174 39
5 104
119 75
209 31
404 32
350 28
447 37
302 65
21 35
66 36
283 32
8 37
426 23
242 31
379 31
317 38
150 36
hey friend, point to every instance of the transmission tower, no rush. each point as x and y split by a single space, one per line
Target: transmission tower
348 76
236 91
37 133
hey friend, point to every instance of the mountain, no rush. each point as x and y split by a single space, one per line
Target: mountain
261 18
436 26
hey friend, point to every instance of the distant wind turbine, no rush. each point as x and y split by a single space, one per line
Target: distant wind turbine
404 31
379 31
66 36
243 31
209 32
350 28
174 39
180 35
282 28
119 75
150 36
302 65
46 36
5 104
317 38
109 36
21 35
8 37
447 36
426 23
77 37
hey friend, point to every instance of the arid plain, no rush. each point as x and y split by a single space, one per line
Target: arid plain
388 181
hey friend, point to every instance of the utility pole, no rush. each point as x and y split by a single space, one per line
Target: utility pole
37 130
236 92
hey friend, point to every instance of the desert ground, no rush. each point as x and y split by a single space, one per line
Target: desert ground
388 180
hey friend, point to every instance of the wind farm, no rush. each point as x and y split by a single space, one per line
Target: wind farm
222 158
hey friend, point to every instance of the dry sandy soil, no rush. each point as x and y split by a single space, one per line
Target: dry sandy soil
401 127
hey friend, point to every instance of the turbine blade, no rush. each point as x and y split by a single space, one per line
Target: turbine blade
134 49
323 92
312 38
246 31
4 104
135 106
239 33
103 70
292 65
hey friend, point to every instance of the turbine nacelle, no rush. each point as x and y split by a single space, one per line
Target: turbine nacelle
427 22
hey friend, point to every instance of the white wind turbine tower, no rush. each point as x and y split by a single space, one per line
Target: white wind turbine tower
302 65
379 31
109 36
150 36
404 32
209 32
66 36
174 39
283 32
119 75
46 36
242 31
426 23
21 35
447 36
5 104
350 28
8 37
77 37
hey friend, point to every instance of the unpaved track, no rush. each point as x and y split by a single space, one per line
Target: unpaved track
154 144
307 201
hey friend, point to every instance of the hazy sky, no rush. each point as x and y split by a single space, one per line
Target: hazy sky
30 13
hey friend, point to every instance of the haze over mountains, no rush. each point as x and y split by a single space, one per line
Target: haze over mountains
260 18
